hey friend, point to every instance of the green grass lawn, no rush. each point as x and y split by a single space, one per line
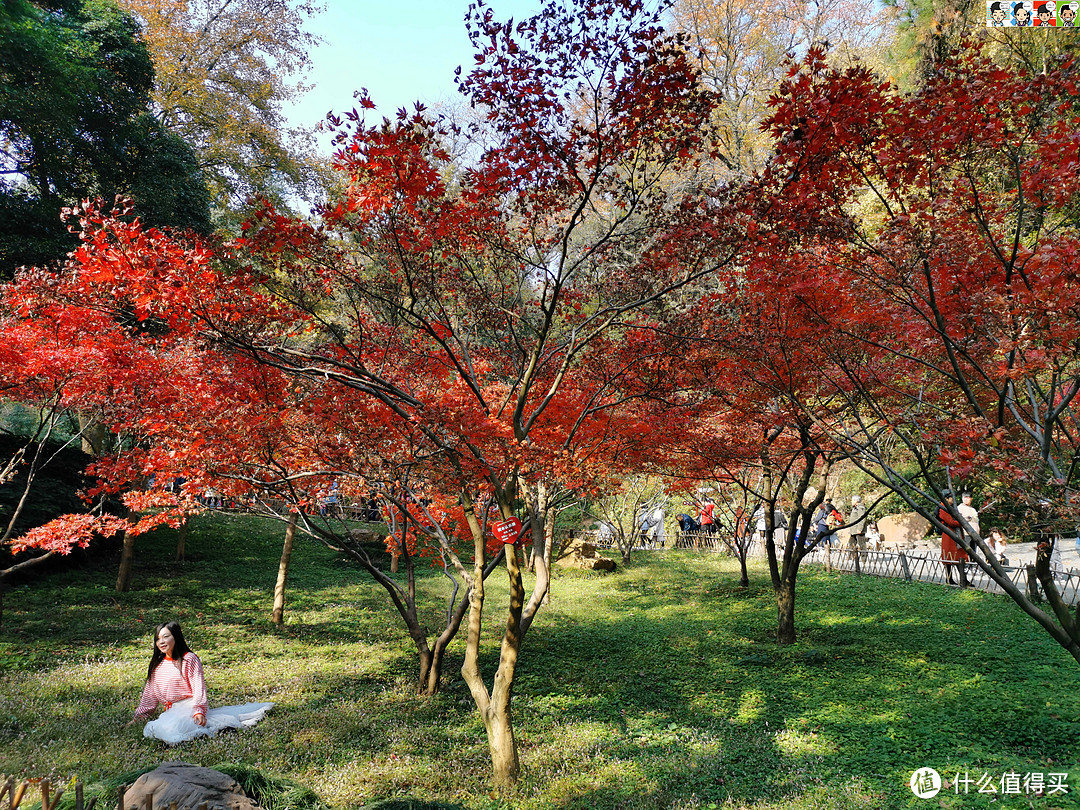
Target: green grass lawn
654 687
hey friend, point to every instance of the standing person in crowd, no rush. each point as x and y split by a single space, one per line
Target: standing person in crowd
826 519
605 535
657 529
687 525
706 515
328 504
742 526
873 537
951 554
1045 534
821 526
969 512
174 680
997 542
643 527
779 524
857 529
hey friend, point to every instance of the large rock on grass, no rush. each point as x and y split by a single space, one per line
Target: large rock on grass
579 554
190 786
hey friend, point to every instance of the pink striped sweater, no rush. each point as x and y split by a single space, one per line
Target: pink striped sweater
169 684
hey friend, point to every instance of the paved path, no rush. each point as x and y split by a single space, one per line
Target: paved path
1019 554
923 563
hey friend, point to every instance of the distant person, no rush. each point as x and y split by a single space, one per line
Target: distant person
857 519
743 518
826 519
952 556
997 542
644 525
1046 536
1055 558
969 512
656 527
686 523
779 522
174 679
819 527
328 503
707 515
873 537
605 535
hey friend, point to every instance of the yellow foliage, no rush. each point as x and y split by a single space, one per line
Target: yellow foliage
745 45
223 69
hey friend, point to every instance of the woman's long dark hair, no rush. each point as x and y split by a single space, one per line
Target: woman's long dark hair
180 648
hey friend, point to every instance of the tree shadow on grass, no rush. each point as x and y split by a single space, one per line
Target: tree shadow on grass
730 716
227 579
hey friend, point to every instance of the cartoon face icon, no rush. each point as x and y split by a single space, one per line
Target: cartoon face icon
997 14
1068 15
1045 12
1021 14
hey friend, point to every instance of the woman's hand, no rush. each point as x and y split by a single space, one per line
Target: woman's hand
200 719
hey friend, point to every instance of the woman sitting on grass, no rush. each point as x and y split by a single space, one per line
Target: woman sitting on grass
175 680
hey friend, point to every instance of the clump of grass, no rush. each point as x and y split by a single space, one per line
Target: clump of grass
272 793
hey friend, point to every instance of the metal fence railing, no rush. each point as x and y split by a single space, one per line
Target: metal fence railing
912 566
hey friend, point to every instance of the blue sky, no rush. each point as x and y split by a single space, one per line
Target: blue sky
400 51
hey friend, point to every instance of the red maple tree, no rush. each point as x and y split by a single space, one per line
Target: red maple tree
942 225
452 319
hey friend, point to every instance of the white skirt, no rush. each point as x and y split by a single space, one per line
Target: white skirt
175 724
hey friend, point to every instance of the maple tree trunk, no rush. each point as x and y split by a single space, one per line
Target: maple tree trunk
278 615
93 435
498 719
431 666
505 766
429 676
744 576
431 661
549 544
181 540
430 657
785 611
431 680
127 557
495 708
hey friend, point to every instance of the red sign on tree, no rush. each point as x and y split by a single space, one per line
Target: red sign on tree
507 530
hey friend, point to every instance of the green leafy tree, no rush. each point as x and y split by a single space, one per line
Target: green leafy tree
75 82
